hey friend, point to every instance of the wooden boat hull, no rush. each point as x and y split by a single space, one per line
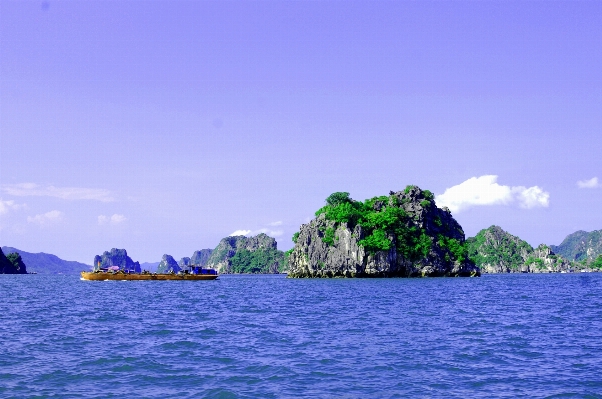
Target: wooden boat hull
103 276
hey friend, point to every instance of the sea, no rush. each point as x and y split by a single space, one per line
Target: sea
266 336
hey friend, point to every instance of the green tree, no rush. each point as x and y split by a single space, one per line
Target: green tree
338 198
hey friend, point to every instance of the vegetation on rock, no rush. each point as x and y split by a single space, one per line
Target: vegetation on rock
581 246
263 260
11 264
402 234
386 223
17 261
240 254
496 247
497 251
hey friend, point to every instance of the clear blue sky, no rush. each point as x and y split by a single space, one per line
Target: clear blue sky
164 126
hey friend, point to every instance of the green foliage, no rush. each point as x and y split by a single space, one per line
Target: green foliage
408 188
385 224
295 237
495 246
14 258
425 203
413 243
346 212
329 236
377 241
17 262
596 263
259 261
337 198
428 195
537 261
458 250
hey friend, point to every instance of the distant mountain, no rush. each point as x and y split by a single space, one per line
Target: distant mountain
150 266
580 246
494 250
43 263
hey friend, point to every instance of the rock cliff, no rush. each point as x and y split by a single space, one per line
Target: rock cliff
240 254
494 250
401 235
116 257
168 265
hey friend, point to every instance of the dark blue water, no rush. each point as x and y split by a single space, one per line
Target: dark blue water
508 336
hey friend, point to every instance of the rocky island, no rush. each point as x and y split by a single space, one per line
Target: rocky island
116 257
581 246
494 250
12 264
497 251
240 254
403 234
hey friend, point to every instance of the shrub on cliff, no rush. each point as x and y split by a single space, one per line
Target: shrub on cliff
403 234
385 222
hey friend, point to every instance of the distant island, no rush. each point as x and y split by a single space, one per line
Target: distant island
116 257
234 255
403 234
494 250
43 263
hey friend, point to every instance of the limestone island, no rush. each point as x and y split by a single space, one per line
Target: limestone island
403 234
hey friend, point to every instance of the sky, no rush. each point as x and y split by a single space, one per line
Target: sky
163 126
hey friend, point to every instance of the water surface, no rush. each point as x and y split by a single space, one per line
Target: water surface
503 336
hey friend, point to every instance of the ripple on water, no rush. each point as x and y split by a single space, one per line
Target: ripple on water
271 337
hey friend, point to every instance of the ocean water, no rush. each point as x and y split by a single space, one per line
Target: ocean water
502 336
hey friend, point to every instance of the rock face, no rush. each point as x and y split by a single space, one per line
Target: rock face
240 254
581 246
201 258
496 251
185 261
116 257
422 239
11 264
168 265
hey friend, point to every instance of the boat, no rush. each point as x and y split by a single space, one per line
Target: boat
189 273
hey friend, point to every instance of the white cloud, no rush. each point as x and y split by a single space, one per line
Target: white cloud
240 233
271 233
531 197
591 183
46 218
68 193
115 219
484 190
8 206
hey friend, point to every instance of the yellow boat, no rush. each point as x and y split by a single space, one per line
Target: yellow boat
120 276
192 273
